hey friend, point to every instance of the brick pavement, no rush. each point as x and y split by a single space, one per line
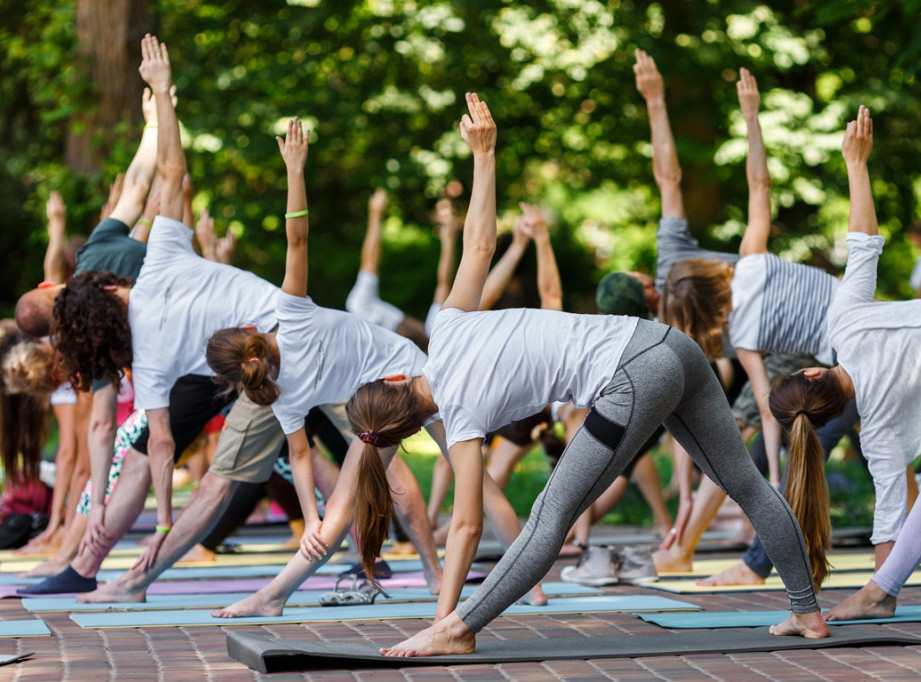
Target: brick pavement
198 653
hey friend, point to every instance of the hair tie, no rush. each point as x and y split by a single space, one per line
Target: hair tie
799 412
371 437
254 360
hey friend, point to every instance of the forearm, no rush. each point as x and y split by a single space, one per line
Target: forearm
371 247
665 165
447 261
101 440
501 274
770 428
863 213
140 174
296 228
54 254
302 471
170 156
160 456
549 284
480 223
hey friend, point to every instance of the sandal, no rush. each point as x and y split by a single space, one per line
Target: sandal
362 592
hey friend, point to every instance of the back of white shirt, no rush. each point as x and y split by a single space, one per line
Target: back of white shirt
326 355
490 368
180 300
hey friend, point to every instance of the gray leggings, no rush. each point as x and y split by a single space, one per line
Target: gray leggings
663 378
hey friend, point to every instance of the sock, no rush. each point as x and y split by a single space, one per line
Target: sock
67 581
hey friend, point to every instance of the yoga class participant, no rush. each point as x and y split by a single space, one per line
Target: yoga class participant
488 368
320 356
867 335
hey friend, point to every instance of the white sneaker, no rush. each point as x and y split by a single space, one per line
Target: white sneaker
597 566
636 566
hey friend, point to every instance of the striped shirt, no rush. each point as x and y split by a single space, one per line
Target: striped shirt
781 307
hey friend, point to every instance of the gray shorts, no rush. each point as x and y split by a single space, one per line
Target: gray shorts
249 443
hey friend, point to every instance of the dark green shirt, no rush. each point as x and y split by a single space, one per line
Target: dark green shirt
110 249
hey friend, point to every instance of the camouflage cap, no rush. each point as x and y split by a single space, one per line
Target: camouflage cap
621 294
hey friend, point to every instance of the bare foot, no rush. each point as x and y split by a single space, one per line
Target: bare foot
447 636
253 605
672 560
868 602
114 591
739 574
402 548
44 569
198 554
808 625
534 597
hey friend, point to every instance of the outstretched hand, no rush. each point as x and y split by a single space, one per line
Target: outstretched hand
294 147
648 79
225 247
478 128
155 67
377 204
534 220
749 98
858 138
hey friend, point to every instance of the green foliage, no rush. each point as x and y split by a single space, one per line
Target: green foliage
381 84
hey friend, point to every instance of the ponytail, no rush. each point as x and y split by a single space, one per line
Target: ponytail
245 362
381 414
801 405
696 300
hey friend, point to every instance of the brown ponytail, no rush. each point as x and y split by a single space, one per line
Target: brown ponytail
245 362
801 405
381 413
696 300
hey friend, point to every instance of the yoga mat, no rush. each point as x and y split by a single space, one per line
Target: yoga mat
123 563
316 614
838 580
23 628
704 568
269 654
159 602
754 619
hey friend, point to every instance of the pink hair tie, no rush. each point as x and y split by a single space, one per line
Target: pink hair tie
254 360
370 437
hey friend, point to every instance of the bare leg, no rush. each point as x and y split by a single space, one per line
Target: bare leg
409 507
192 525
868 602
647 480
502 460
441 481
680 556
73 533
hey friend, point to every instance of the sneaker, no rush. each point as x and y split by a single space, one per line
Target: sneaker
597 566
636 566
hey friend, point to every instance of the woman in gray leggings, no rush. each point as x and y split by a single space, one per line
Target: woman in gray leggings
489 368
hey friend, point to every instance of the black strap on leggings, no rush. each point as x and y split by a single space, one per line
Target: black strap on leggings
604 429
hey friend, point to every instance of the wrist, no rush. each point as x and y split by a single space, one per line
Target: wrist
164 528
484 155
655 102
294 172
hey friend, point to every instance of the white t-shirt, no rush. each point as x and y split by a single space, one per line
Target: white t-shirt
492 367
780 307
879 345
363 300
64 395
180 300
326 355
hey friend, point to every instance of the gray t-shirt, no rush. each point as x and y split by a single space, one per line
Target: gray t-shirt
675 243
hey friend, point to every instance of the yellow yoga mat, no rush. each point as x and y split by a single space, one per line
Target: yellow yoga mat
838 580
863 561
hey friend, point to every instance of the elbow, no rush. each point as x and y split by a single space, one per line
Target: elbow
467 531
483 249
172 170
669 178
102 429
760 183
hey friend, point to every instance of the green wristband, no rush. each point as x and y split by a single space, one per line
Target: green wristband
163 529
297 214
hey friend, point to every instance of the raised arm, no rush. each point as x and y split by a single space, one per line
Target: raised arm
141 231
479 132
56 213
448 226
294 151
549 284
665 166
371 247
501 273
758 230
856 148
155 69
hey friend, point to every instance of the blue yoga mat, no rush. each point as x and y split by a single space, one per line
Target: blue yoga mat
138 619
23 628
754 619
201 572
165 602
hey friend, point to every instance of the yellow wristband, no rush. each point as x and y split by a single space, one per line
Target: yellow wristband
150 125
163 529
297 214
144 221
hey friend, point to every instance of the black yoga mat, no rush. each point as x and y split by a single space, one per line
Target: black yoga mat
267 654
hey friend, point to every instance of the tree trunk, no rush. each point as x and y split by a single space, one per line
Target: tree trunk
109 36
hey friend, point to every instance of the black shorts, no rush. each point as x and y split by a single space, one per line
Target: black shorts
193 401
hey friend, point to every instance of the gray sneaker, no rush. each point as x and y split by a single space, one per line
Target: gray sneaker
636 565
597 566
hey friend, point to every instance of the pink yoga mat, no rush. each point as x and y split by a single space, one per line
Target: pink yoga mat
317 582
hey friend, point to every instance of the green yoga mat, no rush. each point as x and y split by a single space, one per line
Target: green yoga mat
23 628
754 619
835 581
165 602
270 654
380 611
